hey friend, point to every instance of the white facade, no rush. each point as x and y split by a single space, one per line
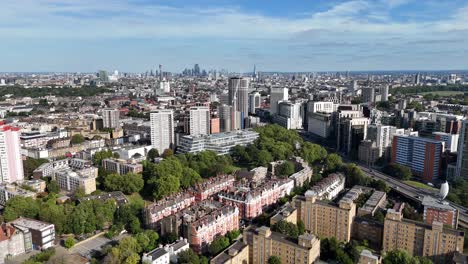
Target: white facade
221 143
199 120
111 118
167 254
254 102
451 140
238 95
11 163
162 129
322 107
277 95
289 115
381 135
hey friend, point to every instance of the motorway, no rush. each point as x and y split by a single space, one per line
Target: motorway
414 193
404 189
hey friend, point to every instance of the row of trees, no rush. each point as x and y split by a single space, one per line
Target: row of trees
398 171
425 89
178 172
130 248
83 218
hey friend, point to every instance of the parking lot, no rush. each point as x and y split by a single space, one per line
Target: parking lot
86 248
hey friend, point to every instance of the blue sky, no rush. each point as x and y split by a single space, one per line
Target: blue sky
293 35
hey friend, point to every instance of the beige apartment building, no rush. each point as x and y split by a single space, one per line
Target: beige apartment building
324 218
420 239
265 243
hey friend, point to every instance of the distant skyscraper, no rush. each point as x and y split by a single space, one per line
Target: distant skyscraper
199 120
162 129
103 76
239 97
11 164
254 101
196 70
462 159
277 95
111 118
160 73
417 78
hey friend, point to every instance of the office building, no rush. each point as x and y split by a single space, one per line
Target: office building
422 155
69 180
162 130
277 95
221 143
320 107
8 191
462 158
265 243
435 241
324 218
289 115
42 233
199 121
239 98
111 118
320 124
121 166
350 133
11 163
254 102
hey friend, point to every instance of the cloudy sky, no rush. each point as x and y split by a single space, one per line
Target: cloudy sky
276 35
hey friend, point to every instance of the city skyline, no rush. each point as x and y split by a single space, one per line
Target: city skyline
298 36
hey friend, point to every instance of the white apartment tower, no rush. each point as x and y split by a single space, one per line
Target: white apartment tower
277 95
199 121
254 102
11 164
162 129
110 118
239 95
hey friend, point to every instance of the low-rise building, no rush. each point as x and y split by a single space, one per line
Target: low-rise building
166 207
69 180
329 187
42 233
117 196
210 187
121 166
440 211
8 191
13 241
366 257
221 143
167 254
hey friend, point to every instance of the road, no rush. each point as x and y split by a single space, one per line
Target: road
413 193
408 191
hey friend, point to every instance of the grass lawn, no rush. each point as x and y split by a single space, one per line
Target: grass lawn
444 93
420 185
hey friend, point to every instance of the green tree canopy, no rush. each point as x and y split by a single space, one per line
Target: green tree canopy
285 169
274 260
